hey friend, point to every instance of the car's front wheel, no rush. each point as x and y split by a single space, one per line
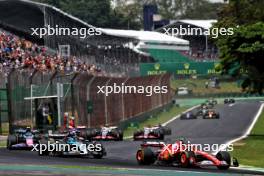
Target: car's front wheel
187 159
145 156
224 156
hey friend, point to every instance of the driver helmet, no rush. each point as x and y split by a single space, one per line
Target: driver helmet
28 129
72 133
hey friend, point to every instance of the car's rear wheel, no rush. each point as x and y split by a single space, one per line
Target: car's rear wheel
167 131
11 140
44 152
120 136
145 156
98 156
90 133
224 156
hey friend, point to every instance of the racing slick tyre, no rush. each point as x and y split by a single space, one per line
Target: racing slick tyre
217 116
120 136
98 155
161 136
145 156
159 133
43 152
232 100
11 140
137 133
167 131
90 133
224 156
187 159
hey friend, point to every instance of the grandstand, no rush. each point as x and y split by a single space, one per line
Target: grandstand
201 48
91 50
116 52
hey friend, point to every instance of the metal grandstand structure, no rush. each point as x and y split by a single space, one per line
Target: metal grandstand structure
92 49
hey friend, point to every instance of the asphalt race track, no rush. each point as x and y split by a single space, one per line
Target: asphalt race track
234 121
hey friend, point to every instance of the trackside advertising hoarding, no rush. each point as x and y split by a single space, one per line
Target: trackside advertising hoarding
179 69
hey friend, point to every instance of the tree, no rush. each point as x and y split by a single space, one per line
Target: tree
95 12
242 54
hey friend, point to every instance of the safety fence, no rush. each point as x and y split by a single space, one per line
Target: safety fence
78 94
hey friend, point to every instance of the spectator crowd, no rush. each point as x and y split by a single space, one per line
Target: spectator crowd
18 53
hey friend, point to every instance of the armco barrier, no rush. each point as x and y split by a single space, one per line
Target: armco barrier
80 97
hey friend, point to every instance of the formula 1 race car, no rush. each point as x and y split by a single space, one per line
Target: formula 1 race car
202 110
211 102
211 114
229 101
22 138
181 154
156 132
104 133
188 115
70 145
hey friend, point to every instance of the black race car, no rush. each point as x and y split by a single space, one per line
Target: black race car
156 132
188 115
104 133
211 102
211 114
23 138
202 110
229 101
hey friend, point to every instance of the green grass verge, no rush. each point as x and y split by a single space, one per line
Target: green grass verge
198 86
5 128
250 151
158 119
86 167
3 143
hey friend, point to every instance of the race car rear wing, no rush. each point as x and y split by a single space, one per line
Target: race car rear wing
153 144
57 136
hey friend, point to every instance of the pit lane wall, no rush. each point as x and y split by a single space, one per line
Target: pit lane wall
80 97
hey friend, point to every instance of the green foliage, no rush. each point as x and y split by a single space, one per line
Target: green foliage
129 15
169 9
95 12
242 54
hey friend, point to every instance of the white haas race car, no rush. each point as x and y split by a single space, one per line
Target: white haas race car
104 133
156 132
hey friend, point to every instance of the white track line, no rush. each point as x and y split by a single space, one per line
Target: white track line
246 133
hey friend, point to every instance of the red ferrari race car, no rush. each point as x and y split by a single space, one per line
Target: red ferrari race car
156 132
178 154
211 114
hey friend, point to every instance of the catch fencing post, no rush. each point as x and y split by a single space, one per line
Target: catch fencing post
123 105
88 99
106 114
